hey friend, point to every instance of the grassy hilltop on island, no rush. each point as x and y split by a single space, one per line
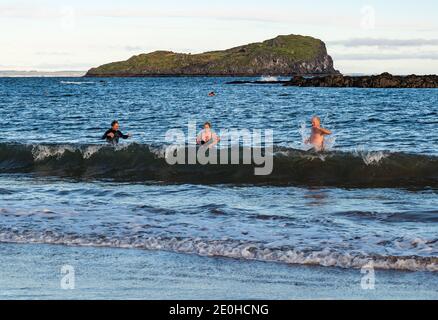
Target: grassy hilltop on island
281 56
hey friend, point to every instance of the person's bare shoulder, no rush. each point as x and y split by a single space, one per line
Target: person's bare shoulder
325 131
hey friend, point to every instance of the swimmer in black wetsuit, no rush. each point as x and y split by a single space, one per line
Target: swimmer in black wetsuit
114 134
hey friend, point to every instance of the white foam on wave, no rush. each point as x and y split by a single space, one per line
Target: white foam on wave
160 152
305 134
89 151
330 142
237 250
77 82
268 78
41 152
373 157
122 146
370 157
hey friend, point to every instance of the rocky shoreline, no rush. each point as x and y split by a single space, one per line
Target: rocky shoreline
384 80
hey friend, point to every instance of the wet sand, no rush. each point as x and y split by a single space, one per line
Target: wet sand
33 271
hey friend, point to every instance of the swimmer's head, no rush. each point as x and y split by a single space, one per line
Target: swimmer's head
316 121
207 125
115 125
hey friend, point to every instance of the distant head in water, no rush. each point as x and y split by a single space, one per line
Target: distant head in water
211 94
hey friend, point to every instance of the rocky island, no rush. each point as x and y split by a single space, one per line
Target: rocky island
282 56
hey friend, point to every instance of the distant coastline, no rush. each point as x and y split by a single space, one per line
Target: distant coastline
34 73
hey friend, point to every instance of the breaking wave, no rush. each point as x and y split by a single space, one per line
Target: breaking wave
234 249
77 82
138 162
268 78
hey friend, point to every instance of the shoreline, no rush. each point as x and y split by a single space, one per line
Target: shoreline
110 273
211 75
381 81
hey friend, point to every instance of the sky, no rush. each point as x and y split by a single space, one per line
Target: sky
400 37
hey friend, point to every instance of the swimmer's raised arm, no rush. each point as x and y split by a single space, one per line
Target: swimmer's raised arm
324 131
125 136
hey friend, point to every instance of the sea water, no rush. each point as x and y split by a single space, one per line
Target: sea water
371 197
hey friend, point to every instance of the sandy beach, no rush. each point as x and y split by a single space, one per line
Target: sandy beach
29 271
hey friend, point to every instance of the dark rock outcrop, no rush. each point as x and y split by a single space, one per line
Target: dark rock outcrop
384 80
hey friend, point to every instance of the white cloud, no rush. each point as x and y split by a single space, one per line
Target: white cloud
52 53
219 12
387 56
387 43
